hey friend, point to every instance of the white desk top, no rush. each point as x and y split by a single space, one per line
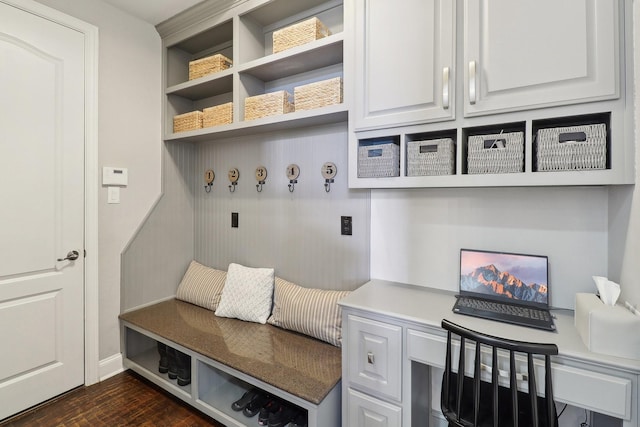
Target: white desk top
427 307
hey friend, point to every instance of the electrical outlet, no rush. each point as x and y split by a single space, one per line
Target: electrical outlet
234 219
346 225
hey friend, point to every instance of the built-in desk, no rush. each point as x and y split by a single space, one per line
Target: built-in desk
393 339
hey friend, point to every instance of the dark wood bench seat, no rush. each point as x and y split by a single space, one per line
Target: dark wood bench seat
297 364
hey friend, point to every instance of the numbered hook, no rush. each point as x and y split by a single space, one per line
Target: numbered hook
232 187
259 186
261 177
293 172
233 175
209 176
329 171
207 188
292 185
327 185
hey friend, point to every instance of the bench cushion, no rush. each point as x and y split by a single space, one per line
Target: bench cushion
313 312
202 286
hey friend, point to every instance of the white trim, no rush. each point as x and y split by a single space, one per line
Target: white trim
111 366
91 326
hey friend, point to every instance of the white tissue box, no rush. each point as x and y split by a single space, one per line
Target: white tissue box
607 329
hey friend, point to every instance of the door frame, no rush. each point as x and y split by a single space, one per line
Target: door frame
91 177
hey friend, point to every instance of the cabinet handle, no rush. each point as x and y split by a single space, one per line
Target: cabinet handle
472 82
371 358
445 88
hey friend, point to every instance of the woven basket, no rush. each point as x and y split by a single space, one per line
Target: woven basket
318 94
572 148
299 34
269 104
432 157
187 121
208 65
378 161
218 115
498 153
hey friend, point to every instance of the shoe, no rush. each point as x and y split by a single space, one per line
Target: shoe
254 406
183 362
163 365
271 407
173 363
246 398
300 420
283 416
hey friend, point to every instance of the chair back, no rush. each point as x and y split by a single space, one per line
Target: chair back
469 401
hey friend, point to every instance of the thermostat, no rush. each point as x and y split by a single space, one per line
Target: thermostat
115 176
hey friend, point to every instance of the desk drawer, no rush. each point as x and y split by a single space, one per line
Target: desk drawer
578 386
375 356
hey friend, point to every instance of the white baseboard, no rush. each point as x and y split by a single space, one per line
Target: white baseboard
110 366
438 419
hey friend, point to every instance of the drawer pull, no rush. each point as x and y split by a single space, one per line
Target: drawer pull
519 377
371 358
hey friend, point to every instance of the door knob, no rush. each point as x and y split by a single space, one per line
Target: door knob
71 256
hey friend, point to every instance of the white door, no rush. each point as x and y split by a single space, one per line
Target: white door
41 209
404 62
535 53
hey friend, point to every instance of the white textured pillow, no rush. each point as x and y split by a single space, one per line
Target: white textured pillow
247 294
202 286
313 312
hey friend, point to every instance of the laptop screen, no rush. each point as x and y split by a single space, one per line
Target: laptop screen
502 276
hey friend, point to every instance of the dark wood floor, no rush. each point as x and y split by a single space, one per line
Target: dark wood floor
122 400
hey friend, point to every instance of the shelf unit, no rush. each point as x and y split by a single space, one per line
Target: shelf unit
214 386
244 34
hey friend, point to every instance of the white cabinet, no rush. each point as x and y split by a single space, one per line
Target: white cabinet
404 62
366 411
540 53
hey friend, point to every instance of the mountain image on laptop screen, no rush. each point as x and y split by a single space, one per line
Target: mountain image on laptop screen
513 276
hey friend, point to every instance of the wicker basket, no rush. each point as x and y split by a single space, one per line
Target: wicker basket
187 121
318 94
432 157
572 148
498 153
218 115
208 65
379 160
269 104
299 34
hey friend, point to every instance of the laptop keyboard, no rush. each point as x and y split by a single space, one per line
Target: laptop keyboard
506 309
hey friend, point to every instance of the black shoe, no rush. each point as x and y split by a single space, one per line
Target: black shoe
283 416
246 398
300 420
254 406
184 368
270 408
163 365
173 362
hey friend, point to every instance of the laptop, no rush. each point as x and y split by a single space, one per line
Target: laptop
506 287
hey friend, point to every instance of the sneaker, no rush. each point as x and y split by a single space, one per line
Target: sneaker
246 398
267 410
283 416
254 406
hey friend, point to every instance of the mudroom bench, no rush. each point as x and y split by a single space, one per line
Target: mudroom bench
229 357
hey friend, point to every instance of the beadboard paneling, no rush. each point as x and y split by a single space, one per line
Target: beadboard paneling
297 233
158 255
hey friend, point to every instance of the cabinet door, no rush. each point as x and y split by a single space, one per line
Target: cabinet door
536 53
367 411
405 57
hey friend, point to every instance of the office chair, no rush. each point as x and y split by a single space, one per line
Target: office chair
470 402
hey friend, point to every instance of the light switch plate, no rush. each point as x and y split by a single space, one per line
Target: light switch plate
113 195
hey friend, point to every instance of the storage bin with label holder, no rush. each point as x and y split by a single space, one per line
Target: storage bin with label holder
431 157
496 153
572 148
378 160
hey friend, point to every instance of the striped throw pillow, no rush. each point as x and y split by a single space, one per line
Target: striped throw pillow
202 286
313 312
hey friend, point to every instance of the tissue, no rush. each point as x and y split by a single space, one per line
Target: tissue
609 291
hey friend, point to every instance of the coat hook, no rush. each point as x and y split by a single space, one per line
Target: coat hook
209 176
233 175
261 177
259 186
232 187
207 188
293 172
327 185
329 171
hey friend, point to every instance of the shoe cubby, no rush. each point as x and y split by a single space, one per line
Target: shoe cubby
141 353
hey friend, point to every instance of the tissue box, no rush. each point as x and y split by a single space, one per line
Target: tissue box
607 329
